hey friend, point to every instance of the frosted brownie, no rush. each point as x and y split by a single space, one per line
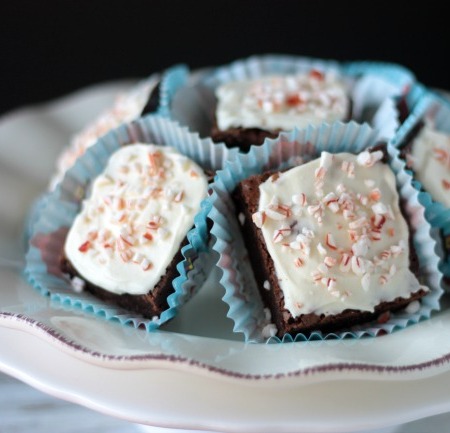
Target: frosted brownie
250 110
427 153
125 243
140 100
328 243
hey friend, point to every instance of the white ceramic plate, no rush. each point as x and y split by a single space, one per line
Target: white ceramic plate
195 373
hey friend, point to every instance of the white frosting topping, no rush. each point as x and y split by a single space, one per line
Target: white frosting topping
336 235
282 101
127 107
140 210
430 159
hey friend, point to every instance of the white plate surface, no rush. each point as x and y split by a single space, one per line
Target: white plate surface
195 373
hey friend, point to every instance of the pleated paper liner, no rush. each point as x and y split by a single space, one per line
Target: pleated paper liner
374 88
241 293
58 209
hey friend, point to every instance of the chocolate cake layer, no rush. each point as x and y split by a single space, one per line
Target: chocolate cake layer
242 138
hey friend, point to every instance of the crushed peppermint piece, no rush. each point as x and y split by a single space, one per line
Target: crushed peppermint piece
330 242
326 159
361 247
269 330
412 307
346 263
348 168
379 209
299 199
320 173
298 262
364 158
77 284
146 264
368 159
357 265
258 218
383 279
329 261
278 212
320 248
330 283
375 194
281 233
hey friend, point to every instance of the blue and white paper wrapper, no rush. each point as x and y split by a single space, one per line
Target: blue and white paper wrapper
241 293
373 88
431 106
56 212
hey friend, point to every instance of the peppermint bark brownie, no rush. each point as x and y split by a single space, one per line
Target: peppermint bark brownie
328 243
248 111
140 100
427 152
125 243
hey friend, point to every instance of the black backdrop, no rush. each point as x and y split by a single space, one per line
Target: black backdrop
49 48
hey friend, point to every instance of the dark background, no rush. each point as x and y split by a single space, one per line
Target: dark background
49 48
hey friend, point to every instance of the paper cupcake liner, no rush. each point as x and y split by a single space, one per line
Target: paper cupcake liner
374 87
434 105
241 293
394 73
171 81
57 210
31 216
378 89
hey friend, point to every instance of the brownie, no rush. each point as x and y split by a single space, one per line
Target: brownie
153 101
243 137
246 198
125 234
402 108
406 146
405 150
